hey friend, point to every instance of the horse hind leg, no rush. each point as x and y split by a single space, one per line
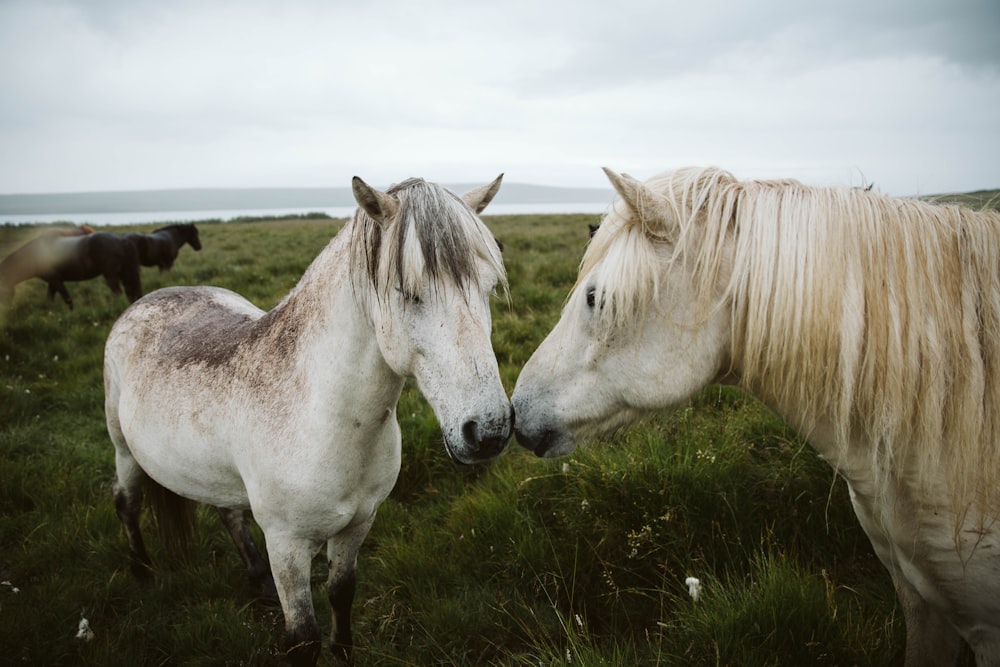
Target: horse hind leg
127 493
257 568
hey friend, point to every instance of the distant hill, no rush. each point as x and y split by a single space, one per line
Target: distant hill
209 199
212 199
976 200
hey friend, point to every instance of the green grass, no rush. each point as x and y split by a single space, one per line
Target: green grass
518 562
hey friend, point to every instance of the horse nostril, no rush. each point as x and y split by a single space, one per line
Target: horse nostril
487 440
470 431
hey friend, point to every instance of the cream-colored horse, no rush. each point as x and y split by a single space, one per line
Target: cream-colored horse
871 324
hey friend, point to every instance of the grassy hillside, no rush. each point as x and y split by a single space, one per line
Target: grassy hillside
977 200
518 562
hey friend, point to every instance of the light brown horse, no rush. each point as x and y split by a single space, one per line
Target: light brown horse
72 255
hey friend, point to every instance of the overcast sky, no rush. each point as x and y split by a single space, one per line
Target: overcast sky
143 94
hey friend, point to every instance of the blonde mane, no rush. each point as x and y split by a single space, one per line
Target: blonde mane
879 314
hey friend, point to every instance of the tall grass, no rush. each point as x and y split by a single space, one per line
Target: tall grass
518 562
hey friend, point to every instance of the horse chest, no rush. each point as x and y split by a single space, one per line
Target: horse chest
917 544
329 485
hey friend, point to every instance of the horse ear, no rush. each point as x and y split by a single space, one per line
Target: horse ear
648 206
377 204
637 196
478 199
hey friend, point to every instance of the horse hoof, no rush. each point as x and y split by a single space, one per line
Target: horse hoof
142 572
304 654
342 654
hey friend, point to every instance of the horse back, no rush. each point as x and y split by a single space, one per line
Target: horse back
142 246
88 256
170 394
185 326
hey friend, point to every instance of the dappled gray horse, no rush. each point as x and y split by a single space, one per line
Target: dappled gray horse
292 413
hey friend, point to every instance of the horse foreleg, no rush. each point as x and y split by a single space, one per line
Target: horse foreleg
342 560
60 287
113 283
131 278
291 563
257 567
931 640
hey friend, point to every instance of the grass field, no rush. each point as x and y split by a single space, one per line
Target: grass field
576 561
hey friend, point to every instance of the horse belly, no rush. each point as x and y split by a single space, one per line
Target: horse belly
179 421
182 455
70 260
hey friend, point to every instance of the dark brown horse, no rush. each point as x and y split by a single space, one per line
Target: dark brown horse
160 248
58 256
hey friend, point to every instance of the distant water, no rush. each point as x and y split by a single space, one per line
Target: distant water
144 217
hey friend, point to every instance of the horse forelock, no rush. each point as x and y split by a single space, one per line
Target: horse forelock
435 238
630 249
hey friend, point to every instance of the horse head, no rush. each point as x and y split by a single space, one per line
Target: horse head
606 363
430 265
190 234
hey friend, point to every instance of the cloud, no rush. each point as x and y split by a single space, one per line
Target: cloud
154 93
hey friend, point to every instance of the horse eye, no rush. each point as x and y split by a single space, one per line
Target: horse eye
591 300
409 297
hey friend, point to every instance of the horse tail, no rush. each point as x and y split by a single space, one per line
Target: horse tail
130 271
175 518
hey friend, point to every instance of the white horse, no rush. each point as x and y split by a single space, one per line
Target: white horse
871 324
292 413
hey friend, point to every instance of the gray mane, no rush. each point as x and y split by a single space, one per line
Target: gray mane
447 232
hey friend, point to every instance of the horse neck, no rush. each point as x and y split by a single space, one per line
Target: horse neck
21 264
331 334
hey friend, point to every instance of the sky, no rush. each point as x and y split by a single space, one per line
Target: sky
99 95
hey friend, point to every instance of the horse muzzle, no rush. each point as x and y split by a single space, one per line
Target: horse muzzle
482 438
545 443
537 430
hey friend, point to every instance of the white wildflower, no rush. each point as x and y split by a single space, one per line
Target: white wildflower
694 587
565 468
83 630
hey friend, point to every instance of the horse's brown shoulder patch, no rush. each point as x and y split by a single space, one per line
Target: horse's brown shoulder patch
201 325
